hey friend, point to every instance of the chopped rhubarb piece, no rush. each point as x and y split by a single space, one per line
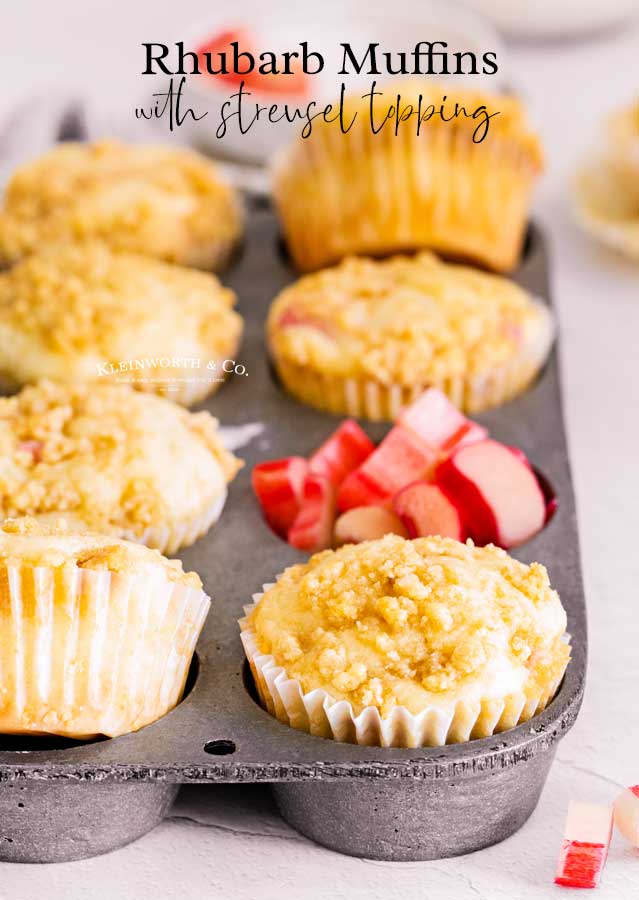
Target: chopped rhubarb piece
33 448
312 529
345 450
401 457
293 82
222 42
292 318
425 509
366 523
498 495
439 423
278 485
585 845
626 809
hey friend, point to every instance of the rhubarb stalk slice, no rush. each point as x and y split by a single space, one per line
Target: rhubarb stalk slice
496 491
312 529
345 450
425 510
278 485
366 523
585 845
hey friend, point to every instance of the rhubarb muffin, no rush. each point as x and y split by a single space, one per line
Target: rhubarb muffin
366 337
407 643
164 202
97 634
112 460
81 313
458 183
607 186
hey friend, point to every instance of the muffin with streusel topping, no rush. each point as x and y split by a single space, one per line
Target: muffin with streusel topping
97 634
164 202
407 643
86 313
112 460
365 338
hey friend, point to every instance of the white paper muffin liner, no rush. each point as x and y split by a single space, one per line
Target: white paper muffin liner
377 402
86 652
318 713
168 538
377 194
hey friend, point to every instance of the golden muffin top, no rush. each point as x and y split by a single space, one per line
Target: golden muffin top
403 319
27 542
398 622
69 309
107 457
165 202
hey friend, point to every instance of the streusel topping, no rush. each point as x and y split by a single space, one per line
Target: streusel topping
107 457
402 320
88 299
398 622
166 202
25 541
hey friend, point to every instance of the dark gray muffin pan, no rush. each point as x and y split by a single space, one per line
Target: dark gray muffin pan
60 800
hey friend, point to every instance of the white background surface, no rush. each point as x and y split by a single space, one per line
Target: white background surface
224 842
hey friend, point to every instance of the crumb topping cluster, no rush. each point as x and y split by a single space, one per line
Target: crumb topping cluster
402 320
27 541
110 457
167 202
398 622
88 299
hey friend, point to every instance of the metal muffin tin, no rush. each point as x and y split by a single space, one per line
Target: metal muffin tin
60 800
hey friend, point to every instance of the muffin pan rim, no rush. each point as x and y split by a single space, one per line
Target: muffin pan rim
147 754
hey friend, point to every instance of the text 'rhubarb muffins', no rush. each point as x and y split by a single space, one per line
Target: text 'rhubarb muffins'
80 313
407 643
97 635
446 188
366 337
164 202
112 460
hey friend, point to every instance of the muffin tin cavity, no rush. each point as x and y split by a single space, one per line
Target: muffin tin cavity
365 801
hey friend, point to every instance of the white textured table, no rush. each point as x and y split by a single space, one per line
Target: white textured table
223 842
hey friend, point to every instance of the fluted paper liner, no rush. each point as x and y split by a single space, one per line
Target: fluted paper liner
379 194
377 402
87 652
169 538
319 714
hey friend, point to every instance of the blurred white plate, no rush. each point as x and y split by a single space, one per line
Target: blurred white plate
555 18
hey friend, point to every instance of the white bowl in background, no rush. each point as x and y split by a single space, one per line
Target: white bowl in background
555 18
